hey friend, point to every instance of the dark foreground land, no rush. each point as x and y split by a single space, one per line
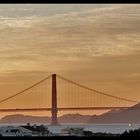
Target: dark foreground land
126 134
89 135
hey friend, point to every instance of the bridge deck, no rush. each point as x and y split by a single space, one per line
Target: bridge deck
61 109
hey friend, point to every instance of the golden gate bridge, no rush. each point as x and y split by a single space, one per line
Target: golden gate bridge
68 96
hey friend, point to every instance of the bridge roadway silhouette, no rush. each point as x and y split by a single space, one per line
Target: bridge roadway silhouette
54 109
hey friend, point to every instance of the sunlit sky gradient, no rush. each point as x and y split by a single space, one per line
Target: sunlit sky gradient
97 45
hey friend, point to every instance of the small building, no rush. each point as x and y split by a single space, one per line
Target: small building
14 131
72 132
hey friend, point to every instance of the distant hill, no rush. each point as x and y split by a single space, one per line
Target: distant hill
74 118
68 118
130 115
19 118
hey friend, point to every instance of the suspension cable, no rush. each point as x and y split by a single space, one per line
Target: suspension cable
22 91
99 92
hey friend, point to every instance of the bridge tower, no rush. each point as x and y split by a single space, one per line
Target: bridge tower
54 101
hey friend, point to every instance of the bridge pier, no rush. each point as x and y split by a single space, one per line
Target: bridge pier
54 101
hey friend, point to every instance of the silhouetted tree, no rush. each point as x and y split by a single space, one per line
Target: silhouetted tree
43 130
131 133
87 133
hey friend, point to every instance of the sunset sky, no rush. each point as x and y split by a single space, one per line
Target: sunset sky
97 45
